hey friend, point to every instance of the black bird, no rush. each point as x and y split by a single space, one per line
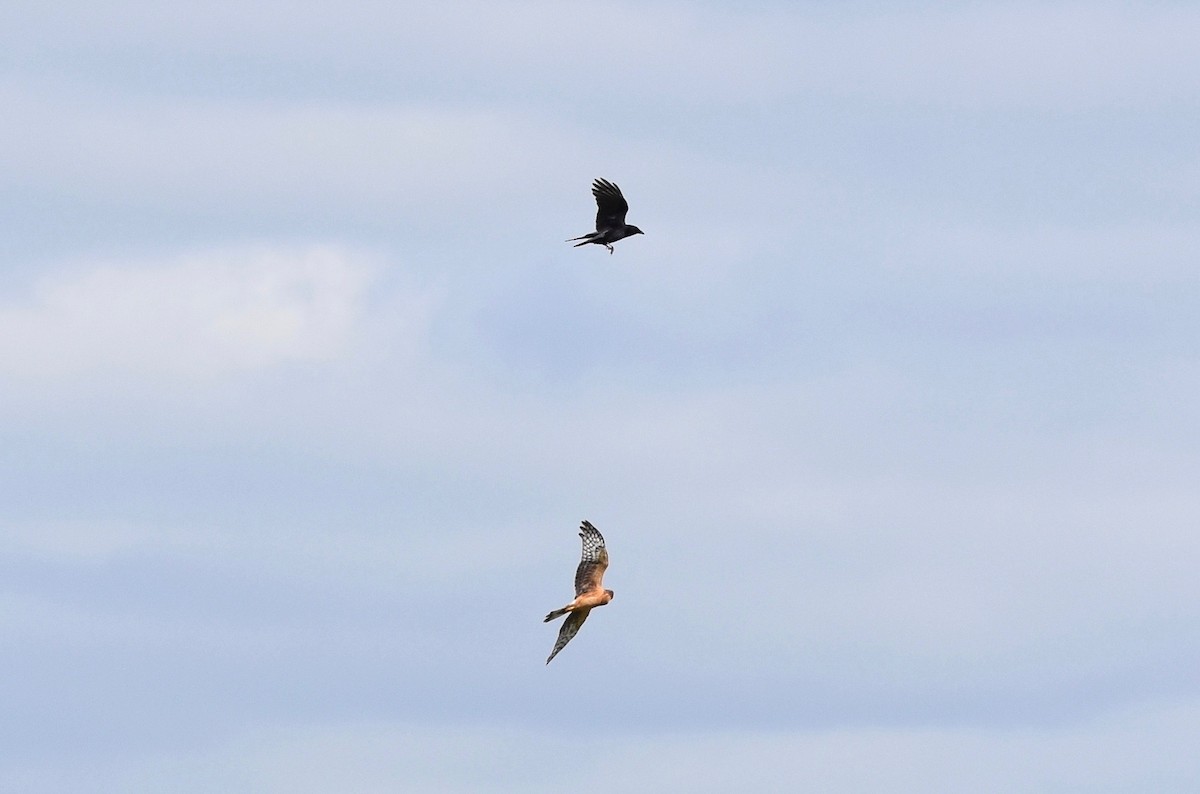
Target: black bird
610 217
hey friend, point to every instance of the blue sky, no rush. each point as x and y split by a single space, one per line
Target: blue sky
889 419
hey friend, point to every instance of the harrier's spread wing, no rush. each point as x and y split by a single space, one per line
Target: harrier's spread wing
611 205
569 629
590 573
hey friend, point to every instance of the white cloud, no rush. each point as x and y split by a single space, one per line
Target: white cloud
197 316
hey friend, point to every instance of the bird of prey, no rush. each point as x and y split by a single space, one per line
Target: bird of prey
589 592
610 217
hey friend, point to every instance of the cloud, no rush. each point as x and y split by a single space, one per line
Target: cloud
1142 749
406 162
199 316
896 354
1048 57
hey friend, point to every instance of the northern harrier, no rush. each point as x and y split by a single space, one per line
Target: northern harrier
589 592
610 217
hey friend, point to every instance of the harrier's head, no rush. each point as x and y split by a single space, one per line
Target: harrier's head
634 230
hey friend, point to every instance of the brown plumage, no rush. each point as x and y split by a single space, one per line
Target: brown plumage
589 587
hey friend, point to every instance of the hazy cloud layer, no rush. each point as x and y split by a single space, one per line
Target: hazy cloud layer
889 419
199 316
1117 755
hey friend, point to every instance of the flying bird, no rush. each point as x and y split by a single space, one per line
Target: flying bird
589 590
610 217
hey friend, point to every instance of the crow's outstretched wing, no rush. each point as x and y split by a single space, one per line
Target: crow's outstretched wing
611 205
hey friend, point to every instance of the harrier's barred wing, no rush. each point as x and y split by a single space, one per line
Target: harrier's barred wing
589 575
569 629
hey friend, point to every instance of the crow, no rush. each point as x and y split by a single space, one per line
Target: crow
610 217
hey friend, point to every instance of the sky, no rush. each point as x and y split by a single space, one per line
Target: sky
889 420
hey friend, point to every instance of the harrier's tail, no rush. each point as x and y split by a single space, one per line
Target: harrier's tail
558 613
587 238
